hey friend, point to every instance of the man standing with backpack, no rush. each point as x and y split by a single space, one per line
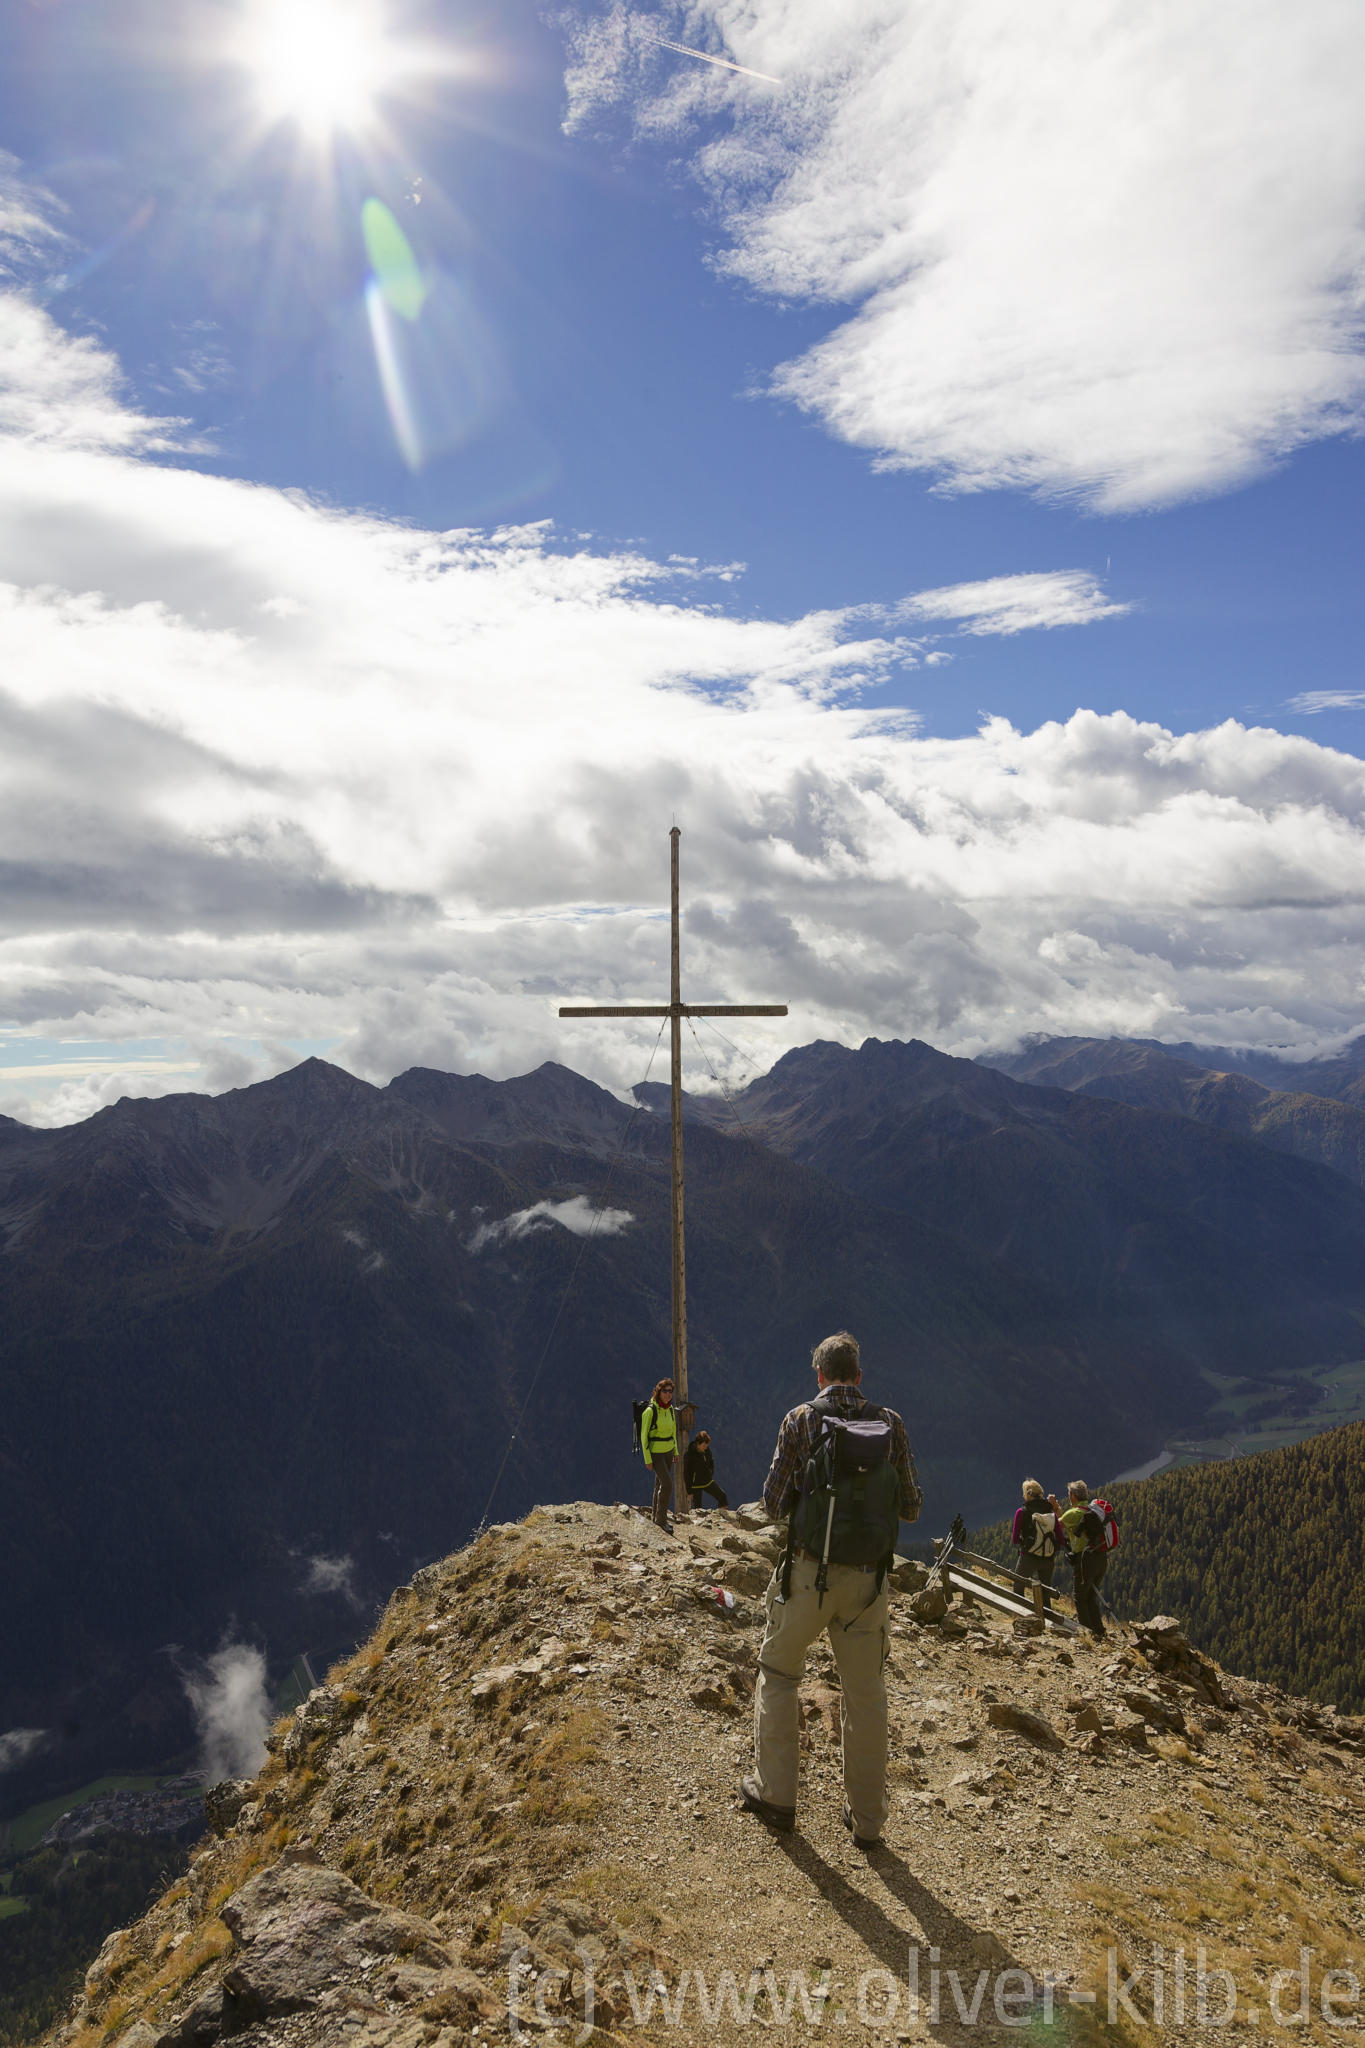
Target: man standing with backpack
843 1473
1092 1533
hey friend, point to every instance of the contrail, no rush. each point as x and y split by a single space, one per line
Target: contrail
685 50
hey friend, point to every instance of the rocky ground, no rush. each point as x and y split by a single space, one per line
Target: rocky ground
525 1785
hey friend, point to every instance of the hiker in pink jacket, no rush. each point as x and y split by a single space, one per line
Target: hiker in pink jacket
1037 1537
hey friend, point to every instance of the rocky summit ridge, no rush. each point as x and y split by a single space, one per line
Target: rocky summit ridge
520 1796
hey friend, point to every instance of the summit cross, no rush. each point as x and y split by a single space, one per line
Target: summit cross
675 1010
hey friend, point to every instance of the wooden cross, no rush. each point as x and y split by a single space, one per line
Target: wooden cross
675 1010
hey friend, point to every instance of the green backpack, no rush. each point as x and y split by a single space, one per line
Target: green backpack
848 1511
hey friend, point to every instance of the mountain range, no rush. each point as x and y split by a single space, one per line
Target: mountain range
1191 1241
264 1352
1340 1076
1313 1110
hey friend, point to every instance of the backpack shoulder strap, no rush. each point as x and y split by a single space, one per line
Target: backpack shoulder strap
820 1407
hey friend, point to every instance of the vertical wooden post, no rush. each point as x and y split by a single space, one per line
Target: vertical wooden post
675 1010
679 1258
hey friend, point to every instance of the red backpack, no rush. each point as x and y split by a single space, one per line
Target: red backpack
1108 1521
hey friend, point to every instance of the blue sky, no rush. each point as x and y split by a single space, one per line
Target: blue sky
940 311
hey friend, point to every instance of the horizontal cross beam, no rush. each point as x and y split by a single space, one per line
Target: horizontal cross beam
686 1010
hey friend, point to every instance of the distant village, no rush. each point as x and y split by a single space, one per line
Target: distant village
175 1811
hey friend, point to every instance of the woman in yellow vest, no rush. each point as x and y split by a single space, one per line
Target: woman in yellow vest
659 1447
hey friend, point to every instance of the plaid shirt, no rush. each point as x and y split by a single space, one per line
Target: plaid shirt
796 1441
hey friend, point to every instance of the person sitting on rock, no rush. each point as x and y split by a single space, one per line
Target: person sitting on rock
659 1447
1037 1536
699 1471
1089 1559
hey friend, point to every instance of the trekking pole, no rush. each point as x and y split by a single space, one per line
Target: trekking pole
822 1576
1114 1615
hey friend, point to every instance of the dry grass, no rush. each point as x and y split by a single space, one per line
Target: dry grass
1193 1878
155 1983
203 1947
238 1860
559 1768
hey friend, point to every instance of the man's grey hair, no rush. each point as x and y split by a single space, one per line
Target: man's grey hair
836 1357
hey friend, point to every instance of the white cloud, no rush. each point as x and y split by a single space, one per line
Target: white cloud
64 390
333 1578
576 1215
1102 250
1311 702
231 1710
28 221
55 387
276 777
18 1744
1016 604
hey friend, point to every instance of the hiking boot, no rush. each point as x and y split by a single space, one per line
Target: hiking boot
783 1818
859 1841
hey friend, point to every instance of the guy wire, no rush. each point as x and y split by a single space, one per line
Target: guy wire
568 1290
720 1083
712 1026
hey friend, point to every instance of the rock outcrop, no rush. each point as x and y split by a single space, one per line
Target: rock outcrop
517 1808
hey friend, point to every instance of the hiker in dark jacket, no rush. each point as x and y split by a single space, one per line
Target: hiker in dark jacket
853 1608
1089 1559
699 1471
1037 1535
659 1447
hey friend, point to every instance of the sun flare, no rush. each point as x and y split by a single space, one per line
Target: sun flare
324 64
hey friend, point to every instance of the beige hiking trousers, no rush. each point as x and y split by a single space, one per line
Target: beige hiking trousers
856 1619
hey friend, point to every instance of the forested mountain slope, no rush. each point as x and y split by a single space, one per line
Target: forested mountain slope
1262 1557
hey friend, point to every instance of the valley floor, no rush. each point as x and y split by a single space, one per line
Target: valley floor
1338 1397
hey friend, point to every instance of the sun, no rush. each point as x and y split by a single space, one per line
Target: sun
323 64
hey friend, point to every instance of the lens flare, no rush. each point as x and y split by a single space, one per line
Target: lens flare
396 270
399 399
436 361
324 64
